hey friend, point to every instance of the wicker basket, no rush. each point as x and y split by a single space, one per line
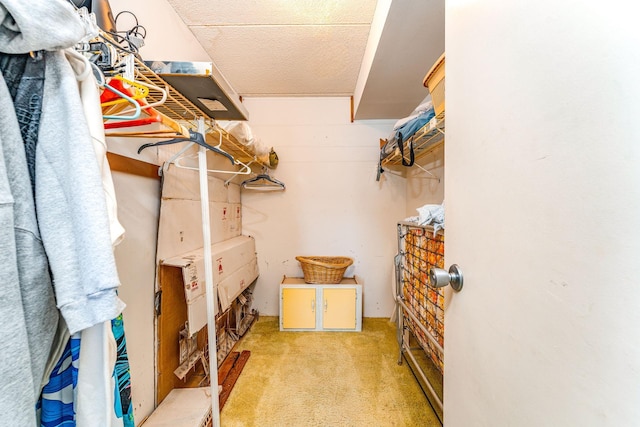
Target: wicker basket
324 269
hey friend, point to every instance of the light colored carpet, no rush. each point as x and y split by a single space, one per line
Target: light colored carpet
325 379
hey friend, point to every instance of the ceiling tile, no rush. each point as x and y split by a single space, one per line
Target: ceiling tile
287 60
274 12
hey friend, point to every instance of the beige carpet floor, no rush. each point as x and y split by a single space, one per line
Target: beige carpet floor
325 379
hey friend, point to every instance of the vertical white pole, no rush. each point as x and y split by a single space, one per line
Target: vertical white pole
212 300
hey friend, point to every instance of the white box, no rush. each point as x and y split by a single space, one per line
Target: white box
235 267
181 225
183 407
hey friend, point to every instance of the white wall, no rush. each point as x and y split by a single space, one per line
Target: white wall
168 37
422 189
138 210
332 205
375 33
543 192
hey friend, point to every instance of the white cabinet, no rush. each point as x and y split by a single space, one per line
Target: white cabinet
316 307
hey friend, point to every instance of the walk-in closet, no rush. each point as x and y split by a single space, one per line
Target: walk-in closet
319 213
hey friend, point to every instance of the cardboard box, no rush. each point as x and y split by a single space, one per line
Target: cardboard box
184 184
232 286
235 267
181 226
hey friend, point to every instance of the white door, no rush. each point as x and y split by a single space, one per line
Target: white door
543 213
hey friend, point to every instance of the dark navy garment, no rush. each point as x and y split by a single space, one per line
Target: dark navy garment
24 75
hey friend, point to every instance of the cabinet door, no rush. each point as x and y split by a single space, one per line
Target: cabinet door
339 308
299 308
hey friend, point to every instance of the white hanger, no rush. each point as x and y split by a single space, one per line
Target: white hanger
177 158
246 170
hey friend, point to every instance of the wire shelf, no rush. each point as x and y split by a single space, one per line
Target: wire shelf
425 140
177 107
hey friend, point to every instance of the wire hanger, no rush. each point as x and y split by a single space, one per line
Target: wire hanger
263 182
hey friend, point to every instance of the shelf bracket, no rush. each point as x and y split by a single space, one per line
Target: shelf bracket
431 175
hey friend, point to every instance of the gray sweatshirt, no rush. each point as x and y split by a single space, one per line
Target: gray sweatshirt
26 296
71 207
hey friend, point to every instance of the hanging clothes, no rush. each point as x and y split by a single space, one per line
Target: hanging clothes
73 232
26 294
90 97
95 402
122 375
71 207
24 75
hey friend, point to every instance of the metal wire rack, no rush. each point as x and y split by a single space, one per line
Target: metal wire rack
425 140
421 307
422 250
179 108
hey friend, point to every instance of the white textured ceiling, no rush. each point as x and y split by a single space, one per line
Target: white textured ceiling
282 47
316 48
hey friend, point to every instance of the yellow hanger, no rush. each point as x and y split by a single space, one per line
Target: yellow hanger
141 92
